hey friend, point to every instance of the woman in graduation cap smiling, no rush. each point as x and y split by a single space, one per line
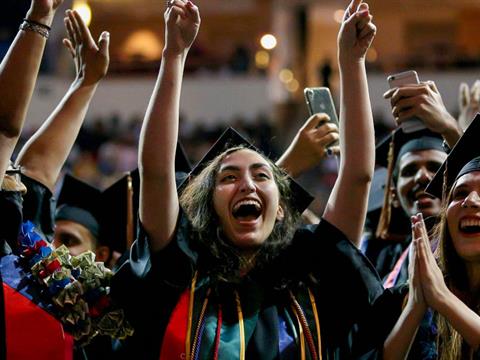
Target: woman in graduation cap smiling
226 272
451 328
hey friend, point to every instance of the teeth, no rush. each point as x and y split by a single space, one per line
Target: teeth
247 202
469 222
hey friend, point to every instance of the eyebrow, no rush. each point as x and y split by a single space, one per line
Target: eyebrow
254 166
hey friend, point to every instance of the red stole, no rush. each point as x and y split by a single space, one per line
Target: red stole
173 345
31 332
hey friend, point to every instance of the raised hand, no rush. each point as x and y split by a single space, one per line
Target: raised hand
424 102
182 21
469 103
310 145
415 293
91 59
356 33
434 288
43 11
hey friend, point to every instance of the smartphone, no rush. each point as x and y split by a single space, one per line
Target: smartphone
401 79
319 100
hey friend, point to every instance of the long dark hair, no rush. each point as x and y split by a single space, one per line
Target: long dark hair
225 262
451 345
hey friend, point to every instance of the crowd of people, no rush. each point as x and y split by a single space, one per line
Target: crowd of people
226 259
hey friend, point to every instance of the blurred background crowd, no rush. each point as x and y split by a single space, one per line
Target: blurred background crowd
248 69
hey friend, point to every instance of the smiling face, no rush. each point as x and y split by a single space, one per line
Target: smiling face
246 199
416 169
463 216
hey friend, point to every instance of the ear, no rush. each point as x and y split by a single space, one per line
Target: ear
280 213
395 202
102 253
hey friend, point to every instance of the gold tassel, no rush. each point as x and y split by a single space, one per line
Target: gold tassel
386 213
130 216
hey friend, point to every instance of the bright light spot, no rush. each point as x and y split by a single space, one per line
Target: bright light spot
142 44
293 86
84 10
262 59
372 55
338 15
268 41
285 75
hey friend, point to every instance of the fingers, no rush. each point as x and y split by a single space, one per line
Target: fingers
104 43
70 32
406 91
475 92
176 8
193 11
328 139
351 9
463 95
431 84
82 28
368 31
404 104
316 120
77 35
69 46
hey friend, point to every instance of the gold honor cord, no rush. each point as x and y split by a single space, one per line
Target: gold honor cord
241 326
190 317
199 325
300 334
130 221
317 322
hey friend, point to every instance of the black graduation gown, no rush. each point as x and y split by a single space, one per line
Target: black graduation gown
355 313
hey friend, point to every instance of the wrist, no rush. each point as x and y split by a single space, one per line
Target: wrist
445 302
452 131
170 54
45 20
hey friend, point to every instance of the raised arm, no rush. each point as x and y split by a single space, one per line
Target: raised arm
18 74
346 207
158 195
44 154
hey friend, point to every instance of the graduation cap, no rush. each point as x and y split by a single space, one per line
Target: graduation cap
79 202
120 204
231 138
388 153
462 159
119 212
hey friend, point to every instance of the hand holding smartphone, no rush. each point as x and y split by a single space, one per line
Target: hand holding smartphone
404 79
319 100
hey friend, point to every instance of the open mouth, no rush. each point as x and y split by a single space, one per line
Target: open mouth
247 210
470 226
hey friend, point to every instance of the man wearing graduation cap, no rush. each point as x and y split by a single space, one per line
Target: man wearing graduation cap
77 219
411 159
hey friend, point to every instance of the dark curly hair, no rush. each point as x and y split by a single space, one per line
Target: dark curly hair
225 262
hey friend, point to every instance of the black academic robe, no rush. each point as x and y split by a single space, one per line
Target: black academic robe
355 313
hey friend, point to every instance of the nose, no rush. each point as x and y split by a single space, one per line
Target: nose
247 185
423 176
472 200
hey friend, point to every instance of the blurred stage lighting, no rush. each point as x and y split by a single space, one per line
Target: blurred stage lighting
84 10
262 59
268 41
293 86
285 75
